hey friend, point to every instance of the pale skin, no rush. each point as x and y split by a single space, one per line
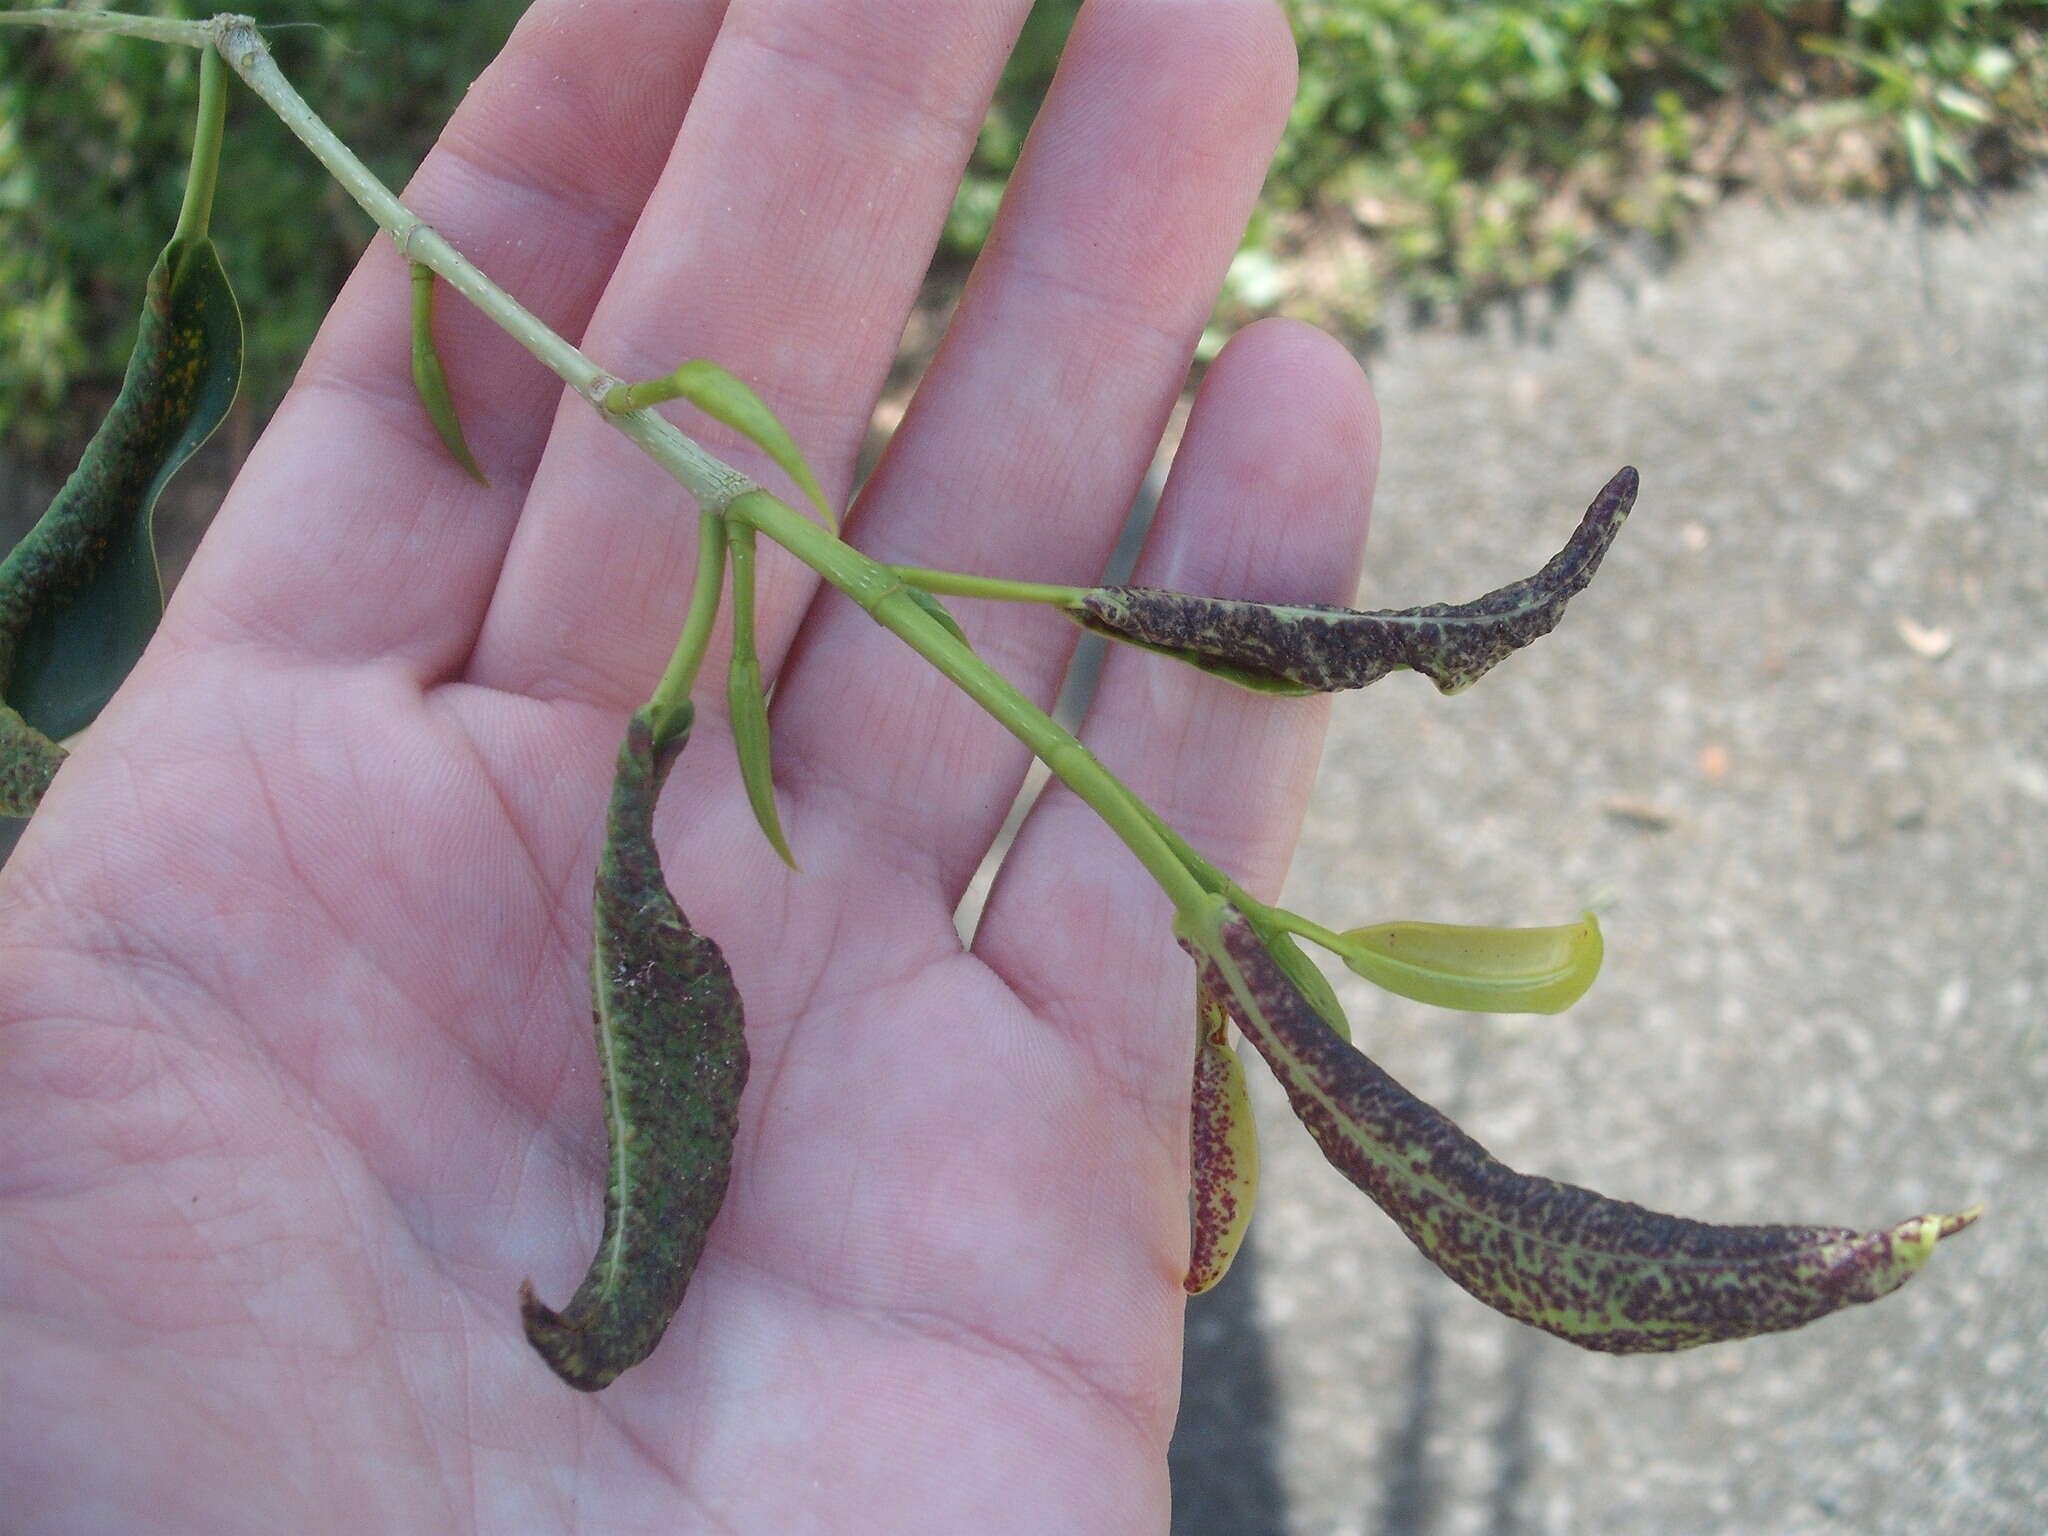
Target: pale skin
296 1075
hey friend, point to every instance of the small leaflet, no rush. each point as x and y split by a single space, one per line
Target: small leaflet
1603 1274
80 595
674 1060
1311 648
746 701
1481 970
430 379
721 395
1223 1150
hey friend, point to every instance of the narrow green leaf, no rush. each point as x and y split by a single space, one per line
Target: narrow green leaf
1482 970
1602 1273
431 380
1277 648
746 702
674 1060
80 594
1223 1149
720 395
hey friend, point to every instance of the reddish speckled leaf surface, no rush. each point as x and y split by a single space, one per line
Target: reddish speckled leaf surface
1223 1148
1604 1274
1308 648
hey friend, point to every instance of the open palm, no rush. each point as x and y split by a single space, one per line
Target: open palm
296 1079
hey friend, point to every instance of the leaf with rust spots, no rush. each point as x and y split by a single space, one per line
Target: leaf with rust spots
1223 1149
1604 1274
80 595
674 1060
1310 648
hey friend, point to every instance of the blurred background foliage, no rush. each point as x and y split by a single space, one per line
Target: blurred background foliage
1441 152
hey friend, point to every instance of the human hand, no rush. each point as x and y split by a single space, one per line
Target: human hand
296 1080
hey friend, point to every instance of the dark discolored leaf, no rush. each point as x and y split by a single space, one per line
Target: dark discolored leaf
80 595
1604 1274
1223 1147
674 1061
1276 648
28 761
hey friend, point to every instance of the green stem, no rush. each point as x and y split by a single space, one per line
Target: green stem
1305 928
204 176
959 584
155 29
669 705
879 590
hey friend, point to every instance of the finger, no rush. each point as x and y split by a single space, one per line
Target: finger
786 241
1268 500
351 531
1038 419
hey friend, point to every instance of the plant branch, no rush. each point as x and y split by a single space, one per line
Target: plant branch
718 487
155 29
882 592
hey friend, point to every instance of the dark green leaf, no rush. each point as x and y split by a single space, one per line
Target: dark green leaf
1277 648
674 1061
1602 1273
80 595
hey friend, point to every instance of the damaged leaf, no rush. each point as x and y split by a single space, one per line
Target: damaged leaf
1601 1273
674 1061
80 595
1223 1149
1277 648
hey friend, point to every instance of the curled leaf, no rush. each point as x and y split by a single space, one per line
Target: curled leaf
674 1060
80 595
746 701
1276 648
1483 970
1223 1150
431 380
1601 1273
720 394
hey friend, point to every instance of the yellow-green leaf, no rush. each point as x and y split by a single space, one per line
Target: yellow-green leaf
1482 970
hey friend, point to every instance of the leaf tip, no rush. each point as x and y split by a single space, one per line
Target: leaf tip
564 1346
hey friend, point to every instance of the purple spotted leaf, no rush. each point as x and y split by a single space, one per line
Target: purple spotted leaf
1601 1273
1310 648
674 1061
1223 1148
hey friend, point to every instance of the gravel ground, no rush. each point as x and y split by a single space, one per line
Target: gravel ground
1792 739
